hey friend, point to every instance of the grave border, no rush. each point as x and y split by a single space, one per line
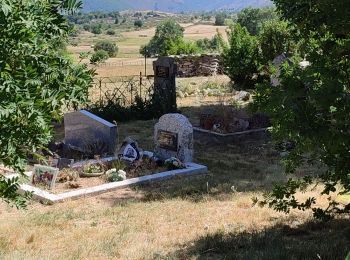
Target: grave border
50 198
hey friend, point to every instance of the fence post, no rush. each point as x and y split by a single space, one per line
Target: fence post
100 86
140 85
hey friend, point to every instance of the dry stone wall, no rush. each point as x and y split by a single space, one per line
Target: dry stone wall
203 65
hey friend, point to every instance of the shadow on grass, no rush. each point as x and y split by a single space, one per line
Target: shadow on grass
309 241
245 166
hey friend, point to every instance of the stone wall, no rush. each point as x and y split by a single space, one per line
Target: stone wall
203 65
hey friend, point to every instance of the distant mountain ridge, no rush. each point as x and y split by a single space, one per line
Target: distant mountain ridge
171 5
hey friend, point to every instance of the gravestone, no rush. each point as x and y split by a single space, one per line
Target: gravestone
63 163
173 136
129 150
164 96
84 129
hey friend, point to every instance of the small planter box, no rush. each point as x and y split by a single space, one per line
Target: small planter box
51 198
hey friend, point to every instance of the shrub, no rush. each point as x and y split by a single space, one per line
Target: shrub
99 56
138 23
242 57
110 47
87 27
220 19
96 29
110 32
275 39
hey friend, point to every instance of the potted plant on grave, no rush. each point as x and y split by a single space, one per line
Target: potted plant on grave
92 170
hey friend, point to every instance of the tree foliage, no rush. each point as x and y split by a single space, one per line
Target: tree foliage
275 38
36 80
241 57
311 107
169 34
253 18
220 19
99 56
138 23
110 47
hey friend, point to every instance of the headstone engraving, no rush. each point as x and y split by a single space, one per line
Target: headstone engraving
162 72
168 140
44 175
173 136
83 128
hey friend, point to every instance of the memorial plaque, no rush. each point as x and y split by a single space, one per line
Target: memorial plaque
168 140
162 72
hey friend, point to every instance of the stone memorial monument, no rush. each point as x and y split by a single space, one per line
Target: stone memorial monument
83 128
173 136
164 96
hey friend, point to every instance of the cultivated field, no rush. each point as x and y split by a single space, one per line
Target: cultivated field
129 61
203 217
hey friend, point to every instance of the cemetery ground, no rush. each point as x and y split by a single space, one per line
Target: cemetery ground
200 217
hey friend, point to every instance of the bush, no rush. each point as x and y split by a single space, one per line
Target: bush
138 23
99 56
242 57
220 19
275 39
110 47
87 27
110 32
96 29
253 18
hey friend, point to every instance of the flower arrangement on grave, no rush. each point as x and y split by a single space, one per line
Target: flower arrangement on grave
92 170
174 163
114 175
66 175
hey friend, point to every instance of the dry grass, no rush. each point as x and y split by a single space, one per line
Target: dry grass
185 218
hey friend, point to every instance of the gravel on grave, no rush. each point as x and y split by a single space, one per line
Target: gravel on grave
61 187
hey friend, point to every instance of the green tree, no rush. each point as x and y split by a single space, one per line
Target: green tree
36 80
220 19
311 107
275 38
168 34
110 47
138 23
241 57
253 18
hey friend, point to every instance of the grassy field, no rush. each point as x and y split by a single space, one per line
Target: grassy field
202 217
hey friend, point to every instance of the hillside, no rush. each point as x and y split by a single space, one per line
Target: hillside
171 5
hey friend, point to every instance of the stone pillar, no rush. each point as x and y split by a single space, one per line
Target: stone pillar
164 97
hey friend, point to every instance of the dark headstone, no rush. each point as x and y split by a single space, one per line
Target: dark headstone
84 129
164 97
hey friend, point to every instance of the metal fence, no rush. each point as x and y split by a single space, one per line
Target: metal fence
122 89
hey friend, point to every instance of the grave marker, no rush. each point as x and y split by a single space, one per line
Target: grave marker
83 128
173 136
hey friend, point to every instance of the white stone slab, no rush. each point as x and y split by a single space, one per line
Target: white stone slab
41 195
